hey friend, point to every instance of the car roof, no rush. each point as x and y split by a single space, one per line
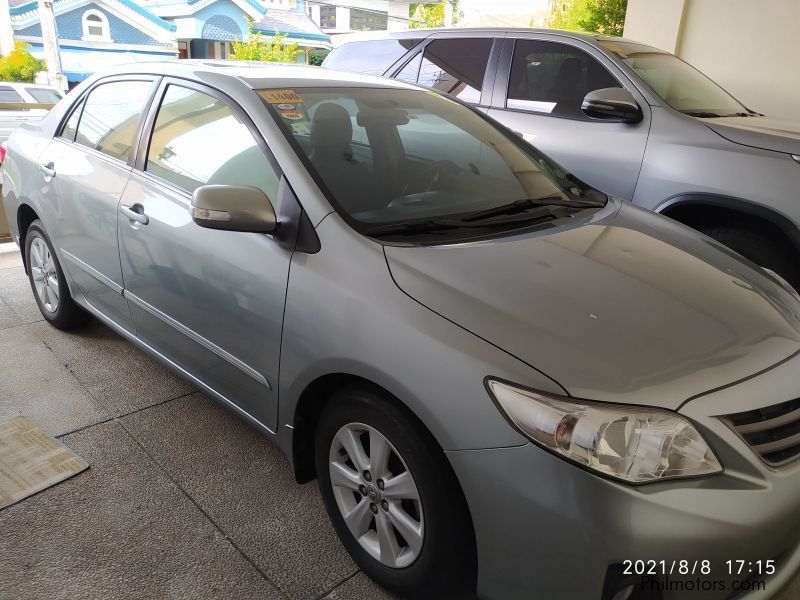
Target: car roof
19 85
255 74
467 31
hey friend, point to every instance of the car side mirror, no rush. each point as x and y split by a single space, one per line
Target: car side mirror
233 208
612 104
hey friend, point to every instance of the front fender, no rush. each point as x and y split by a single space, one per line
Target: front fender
349 317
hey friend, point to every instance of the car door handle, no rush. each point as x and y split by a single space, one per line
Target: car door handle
48 170
134 213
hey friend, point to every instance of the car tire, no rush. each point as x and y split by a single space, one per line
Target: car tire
760 249
48 283
441 562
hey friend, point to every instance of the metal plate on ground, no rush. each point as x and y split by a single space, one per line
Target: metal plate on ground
31 460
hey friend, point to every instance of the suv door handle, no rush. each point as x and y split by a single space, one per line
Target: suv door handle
48 171
134 213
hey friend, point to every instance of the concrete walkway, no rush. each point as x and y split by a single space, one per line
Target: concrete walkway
183 499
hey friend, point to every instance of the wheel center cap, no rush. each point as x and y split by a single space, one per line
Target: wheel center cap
372 493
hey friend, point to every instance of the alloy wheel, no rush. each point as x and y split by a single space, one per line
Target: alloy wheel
376 495
45 276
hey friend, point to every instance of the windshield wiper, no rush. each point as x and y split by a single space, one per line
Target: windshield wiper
424 226
437 225
519 206
703 114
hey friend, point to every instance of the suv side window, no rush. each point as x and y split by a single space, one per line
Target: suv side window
111 115
553 78
456 67
9 94
198 140
371 57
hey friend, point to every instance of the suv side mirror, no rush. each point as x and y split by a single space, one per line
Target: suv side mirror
612 104
233 208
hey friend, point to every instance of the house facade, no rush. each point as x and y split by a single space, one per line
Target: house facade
97 34
341 17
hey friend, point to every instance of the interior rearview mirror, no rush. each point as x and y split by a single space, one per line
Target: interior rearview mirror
233 208
612 104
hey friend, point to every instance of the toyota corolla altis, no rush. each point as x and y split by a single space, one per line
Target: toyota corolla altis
504 380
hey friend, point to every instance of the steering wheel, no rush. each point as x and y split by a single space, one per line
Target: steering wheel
430 176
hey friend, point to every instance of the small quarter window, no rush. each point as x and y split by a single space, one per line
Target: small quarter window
409 72
71 126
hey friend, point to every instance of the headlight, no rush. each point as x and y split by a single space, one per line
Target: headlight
636 445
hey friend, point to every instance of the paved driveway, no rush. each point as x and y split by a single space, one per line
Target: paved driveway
183 499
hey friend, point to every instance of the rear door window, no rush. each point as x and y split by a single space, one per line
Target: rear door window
198 140
553 78
456 67
371 57
111 115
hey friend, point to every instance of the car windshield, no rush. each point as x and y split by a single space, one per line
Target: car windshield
397 156
679 84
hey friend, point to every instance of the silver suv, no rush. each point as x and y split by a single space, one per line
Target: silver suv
626 118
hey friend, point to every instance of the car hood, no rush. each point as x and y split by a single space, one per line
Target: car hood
779 135
632 307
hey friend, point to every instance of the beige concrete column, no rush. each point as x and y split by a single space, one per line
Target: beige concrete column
655 22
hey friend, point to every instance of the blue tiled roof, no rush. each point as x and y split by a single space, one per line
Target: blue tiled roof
296 24
254 3
22 8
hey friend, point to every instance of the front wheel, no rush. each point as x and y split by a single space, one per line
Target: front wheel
759 248
393 498
48 282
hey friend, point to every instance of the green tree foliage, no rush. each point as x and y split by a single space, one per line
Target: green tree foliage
426 15
601 16
265 48
315 57
20 65
567 14
605 16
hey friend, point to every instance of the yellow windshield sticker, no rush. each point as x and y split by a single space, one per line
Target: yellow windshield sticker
280 96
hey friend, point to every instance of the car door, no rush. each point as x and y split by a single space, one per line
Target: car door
540 87
84 171
211 301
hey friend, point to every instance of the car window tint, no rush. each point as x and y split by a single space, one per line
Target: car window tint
410 71
111 115
553 78
9 94
43 95
370 57
456 67
68 131
199 140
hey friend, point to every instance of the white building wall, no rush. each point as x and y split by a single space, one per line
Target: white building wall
749 48
397 13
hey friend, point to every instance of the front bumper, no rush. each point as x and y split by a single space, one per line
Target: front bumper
546 528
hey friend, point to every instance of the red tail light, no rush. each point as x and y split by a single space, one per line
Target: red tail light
3 151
